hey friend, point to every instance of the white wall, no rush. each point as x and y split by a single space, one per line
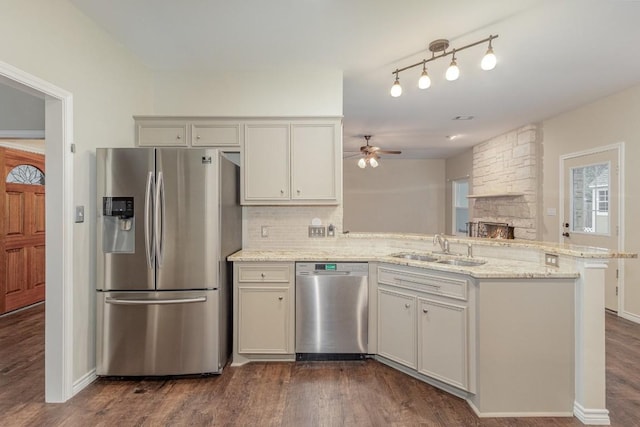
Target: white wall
397 196
610 120
20 111
52 40
287 92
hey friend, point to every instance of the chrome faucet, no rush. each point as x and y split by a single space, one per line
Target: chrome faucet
442 241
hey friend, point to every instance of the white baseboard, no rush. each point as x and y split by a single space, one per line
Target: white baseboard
587 416
87 379
516 414
629 316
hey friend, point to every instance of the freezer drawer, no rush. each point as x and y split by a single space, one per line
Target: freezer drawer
158 333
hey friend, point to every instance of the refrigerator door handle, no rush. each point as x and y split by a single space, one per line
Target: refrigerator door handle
159 218
118 301
148 244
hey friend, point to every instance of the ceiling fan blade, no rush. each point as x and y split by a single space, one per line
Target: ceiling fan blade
390 151
351 155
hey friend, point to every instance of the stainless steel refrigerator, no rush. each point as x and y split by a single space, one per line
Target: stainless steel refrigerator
167 220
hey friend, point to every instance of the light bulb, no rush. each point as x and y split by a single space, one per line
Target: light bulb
373 162
396 89
424 81
362 163
488 60
453 72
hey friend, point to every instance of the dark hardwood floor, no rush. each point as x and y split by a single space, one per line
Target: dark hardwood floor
363 393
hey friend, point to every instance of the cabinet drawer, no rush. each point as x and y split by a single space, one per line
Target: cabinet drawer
215 134
422 280
264 274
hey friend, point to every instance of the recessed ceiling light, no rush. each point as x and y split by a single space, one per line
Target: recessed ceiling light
463 118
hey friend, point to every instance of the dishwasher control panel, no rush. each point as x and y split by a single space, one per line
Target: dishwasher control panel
356 268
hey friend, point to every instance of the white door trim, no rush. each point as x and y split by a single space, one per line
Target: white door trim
619 146
59 242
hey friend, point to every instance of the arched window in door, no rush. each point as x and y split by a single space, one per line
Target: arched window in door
26 174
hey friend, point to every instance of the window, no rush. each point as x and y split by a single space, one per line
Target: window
590 199
460 206
25 174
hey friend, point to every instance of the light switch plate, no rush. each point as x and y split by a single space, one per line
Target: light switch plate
79 213
551 260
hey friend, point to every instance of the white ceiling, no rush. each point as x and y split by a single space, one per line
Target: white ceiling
553 55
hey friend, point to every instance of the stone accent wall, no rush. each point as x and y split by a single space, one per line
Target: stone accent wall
288 226
508 163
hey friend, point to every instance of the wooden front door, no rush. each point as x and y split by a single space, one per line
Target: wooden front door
22 226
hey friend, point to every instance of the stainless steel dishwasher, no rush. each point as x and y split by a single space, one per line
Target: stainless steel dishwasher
332 310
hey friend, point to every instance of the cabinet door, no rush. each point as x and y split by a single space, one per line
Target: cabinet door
442 342
266 162
263 320
161 134
397 327
314 161
216 134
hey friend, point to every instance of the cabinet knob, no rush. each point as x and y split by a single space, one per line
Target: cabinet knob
407 305
282 192
178 137
262 275
424 310
198 137
298 191
280 298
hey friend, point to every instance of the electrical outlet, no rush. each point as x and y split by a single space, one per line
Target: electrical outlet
551 260
331 230
264 231
317 231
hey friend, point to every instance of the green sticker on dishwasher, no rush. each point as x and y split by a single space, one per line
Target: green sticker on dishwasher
330 267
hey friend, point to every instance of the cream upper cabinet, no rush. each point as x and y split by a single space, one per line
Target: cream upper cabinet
161 131
265 166
313 161
296 161
219 133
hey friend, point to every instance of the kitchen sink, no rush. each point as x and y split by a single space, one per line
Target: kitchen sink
462 262
415 257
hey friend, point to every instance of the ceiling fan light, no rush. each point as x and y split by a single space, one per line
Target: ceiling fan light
488 60
373 162
424 82
362 163
396 89
453 72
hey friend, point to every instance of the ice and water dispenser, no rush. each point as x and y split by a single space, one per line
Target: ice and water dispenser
118 225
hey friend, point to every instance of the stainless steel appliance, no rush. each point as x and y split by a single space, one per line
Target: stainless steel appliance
332 310
167 219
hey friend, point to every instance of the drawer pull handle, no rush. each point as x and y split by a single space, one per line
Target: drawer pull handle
424 310
407 305
398 279
262 275
280 298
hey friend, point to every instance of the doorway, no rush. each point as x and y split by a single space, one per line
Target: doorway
591 185
58 216
460 208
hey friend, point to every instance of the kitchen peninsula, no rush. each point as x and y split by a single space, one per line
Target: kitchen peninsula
513 336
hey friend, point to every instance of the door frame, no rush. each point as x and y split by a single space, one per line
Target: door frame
619 147
59 214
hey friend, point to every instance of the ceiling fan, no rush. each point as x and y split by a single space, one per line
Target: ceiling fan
371 154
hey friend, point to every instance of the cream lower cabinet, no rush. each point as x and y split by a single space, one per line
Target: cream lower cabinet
397 326
442 341
423 322
264 316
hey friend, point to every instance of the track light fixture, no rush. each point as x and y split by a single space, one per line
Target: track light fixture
453 72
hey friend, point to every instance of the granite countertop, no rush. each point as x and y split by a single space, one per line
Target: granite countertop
494 268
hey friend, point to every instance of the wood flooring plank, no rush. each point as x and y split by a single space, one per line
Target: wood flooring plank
343 393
